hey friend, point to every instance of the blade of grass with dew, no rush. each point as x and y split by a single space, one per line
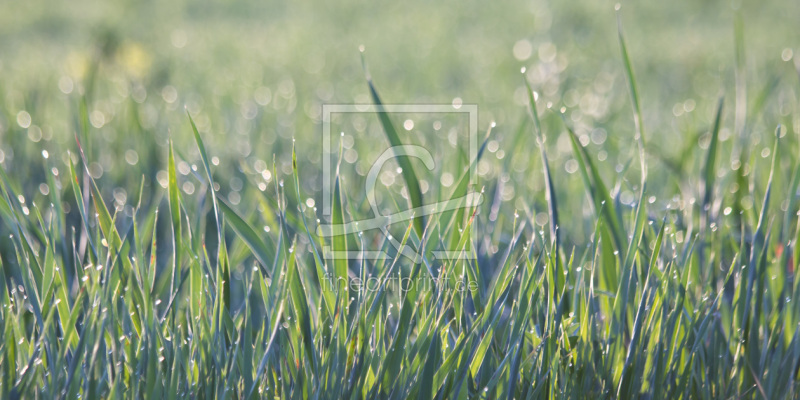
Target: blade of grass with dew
302 314
175 214
391 363
626 388
339 242
247 234
411 180
709 174
709 168
552 204
449 219
207 168
747 289
328 295
118 248
634 93
603 204
427 391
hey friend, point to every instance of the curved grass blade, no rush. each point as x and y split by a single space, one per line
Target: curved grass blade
603 203
204 157
552 205
301 311
412 183
709 169
625 389
247 234
76 189
175 213
548 180
427 391
339 242
328 295
637 110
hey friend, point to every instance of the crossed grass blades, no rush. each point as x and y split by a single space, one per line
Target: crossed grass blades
88 312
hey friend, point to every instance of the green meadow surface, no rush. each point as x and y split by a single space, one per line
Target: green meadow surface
162 182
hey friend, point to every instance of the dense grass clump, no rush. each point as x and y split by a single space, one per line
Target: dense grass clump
215 281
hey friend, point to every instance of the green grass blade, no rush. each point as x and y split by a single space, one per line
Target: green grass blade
411 180
247 234
634 93
175 214
709 169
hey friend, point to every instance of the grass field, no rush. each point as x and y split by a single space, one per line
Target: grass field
169 212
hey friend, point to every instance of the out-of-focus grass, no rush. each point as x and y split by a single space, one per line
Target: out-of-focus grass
592 278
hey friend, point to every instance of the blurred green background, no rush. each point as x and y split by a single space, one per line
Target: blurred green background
255 73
